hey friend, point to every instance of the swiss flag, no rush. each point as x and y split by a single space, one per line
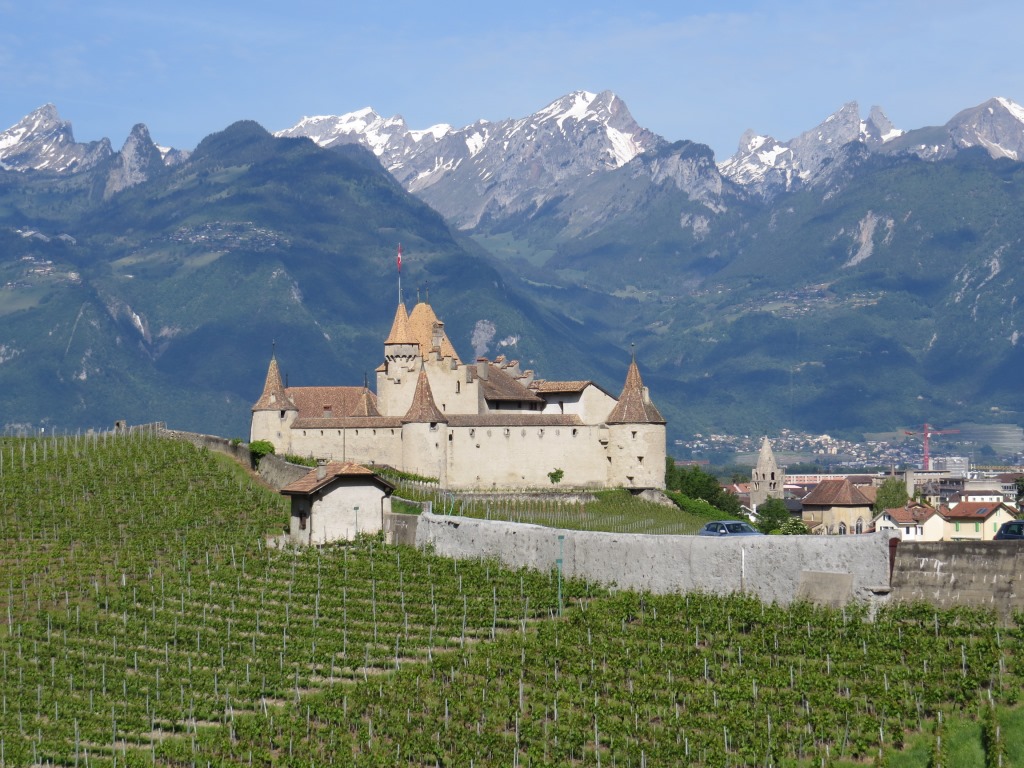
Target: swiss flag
399 257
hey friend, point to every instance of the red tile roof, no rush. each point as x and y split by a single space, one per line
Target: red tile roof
423 409
634 405
836 493
313 481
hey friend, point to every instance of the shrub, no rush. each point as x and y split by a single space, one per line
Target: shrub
258 449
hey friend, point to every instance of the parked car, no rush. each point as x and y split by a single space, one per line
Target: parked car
1012 529
729 528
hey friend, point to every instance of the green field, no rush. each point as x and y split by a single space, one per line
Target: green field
145 622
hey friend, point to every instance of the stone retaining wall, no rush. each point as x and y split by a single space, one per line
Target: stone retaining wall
986 574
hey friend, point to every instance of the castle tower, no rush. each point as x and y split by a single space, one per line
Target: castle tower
636 437
767 481
397 375
425 434
274 412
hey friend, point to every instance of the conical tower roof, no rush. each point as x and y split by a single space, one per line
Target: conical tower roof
367 405
634 406
274 397
400 327
423 409
421 328
766 458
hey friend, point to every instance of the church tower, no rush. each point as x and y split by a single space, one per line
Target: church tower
274 412
767 481
636 437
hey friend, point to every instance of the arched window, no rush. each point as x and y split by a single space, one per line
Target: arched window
842 529
860 525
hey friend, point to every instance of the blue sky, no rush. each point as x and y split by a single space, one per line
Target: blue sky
704 71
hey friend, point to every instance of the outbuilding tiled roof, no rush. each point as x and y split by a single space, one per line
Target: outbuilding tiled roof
321 477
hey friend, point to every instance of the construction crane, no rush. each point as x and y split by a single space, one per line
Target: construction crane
928 432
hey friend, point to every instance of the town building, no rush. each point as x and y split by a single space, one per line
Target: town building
482 425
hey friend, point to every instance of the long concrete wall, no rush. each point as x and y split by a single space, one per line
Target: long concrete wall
986 574
824 569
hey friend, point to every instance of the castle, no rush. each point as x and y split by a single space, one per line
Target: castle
485 425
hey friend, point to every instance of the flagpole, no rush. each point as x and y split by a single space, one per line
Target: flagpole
399 273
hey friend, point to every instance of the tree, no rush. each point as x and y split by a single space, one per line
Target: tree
1020 491
771 515
891 495
793 527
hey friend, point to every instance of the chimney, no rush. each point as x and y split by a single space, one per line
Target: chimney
321 469
436 335
481 367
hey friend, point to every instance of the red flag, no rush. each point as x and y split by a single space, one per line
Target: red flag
399 257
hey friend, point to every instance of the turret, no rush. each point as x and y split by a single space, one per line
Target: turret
274 412
636 437
425 434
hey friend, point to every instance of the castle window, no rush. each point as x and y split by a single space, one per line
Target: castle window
282 414
574 433
640 459
458 387
860 525
450 437
842 529
507 431
634 434
433 426
540 433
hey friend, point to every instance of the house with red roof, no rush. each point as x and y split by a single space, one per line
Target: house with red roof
972 520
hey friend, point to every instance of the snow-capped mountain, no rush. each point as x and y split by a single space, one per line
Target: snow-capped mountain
996 125
769 166
42 141
494 169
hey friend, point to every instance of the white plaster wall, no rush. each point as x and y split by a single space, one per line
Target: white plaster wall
346 511
769 567
626 444
487 457
382 445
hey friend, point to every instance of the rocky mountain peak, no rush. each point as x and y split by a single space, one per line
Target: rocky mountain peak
137 161
997 125
42 141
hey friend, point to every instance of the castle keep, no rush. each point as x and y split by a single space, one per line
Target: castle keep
482 425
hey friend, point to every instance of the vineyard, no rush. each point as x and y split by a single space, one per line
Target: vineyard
614 511
146 622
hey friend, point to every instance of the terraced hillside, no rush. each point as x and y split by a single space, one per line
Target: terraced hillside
146 623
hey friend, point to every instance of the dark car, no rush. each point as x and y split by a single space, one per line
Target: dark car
1011 530
729 528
